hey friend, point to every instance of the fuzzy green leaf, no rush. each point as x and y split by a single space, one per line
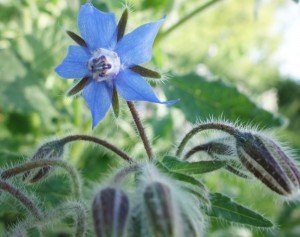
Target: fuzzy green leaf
202 98
223 207
198 167
189 183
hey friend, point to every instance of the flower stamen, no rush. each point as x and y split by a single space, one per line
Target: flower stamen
104 64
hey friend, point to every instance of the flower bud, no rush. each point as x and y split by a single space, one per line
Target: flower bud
159 209
48 151
110 211
268 162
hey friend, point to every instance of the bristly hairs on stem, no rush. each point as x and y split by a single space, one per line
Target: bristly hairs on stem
141 130
220 126
73 174
121 174
22 197
54 216
88 138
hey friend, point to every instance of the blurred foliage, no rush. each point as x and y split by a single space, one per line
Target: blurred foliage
232 41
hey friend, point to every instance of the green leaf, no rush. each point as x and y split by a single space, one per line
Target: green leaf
200 98
189 183
223 207
198 167
23 91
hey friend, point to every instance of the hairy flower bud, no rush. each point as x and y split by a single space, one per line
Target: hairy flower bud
159 209
110 211
268 162
165 207
48 151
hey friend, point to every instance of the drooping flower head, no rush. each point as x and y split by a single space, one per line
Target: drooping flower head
107 63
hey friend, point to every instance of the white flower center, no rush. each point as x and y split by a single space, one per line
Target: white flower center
104 64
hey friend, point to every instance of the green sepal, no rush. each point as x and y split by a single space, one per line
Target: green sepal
77 87
115 103
122 24
145 72
77 38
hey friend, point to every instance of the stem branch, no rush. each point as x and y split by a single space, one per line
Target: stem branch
42 163
140 129
82 137
205 126
19 195
124 172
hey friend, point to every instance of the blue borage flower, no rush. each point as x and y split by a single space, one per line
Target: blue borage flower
106 62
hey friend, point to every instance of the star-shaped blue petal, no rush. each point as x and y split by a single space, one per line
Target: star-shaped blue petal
112 69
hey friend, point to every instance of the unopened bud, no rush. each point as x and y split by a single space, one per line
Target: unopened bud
218 148
268 162
110 212
52 150
159 210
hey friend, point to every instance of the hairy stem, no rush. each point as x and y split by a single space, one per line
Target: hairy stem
205 126
52 217
42 163
124 172
80 219
19 195
83 137
140 129
194 150
189 16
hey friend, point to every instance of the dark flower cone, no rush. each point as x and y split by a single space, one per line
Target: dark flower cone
110 211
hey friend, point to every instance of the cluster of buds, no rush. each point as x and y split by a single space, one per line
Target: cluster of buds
251 152
157 208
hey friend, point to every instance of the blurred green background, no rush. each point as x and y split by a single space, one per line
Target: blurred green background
219 63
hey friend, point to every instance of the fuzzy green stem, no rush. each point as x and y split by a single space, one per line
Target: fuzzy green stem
124 172
80 220
83 137
55 216
19 195
189 16
141 130
42 163
205 126
194 150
